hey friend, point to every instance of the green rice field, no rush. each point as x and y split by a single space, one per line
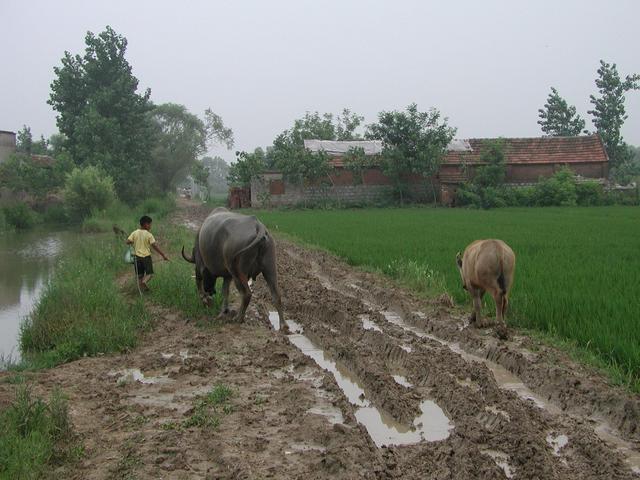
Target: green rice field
577 271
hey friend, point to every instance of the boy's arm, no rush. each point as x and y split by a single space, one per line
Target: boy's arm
130 239
157 249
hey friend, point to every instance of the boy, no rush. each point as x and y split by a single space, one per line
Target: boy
141 240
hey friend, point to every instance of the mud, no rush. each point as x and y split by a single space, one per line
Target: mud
515 409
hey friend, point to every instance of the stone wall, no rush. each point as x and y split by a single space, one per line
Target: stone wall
272 190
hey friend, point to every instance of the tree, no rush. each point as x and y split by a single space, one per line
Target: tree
357 162
609 113
246 167
559 119
347 123
104 119
181 137
86 190
414 142
200 175
24 140
218 172
493 171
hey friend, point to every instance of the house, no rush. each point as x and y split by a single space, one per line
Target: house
7 144
527 159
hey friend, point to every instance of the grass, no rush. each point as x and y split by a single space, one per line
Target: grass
577 270
35 435
82 311
208 409
174 285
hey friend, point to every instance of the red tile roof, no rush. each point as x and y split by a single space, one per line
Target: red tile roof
583 149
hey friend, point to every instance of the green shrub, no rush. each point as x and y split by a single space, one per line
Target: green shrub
55 214
557 190
157 206
4 225
87 190
20 216
589 193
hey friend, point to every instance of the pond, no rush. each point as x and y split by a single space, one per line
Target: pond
27 261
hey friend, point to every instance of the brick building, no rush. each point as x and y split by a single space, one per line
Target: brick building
527 159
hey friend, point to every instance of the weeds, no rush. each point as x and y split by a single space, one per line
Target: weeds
34 434
207 409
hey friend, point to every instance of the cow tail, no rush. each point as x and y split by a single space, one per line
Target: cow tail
261 234
501 279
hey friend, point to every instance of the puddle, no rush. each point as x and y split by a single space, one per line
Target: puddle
304 447
400 380
406 348
557 442
505 379
502 460
431 425
166 356
274 320
631 456
130 375
332 414
369 324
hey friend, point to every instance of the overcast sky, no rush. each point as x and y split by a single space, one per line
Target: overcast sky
487 65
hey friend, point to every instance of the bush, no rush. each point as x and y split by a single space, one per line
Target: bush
55 214
157 206
557 190
589 193
20 216
86 190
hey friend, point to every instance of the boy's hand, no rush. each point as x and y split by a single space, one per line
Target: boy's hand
166 258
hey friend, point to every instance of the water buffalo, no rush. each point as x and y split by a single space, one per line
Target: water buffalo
238 247
487 266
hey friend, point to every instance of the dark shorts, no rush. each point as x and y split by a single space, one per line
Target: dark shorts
144 266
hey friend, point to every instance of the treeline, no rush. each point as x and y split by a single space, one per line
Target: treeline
114 143
414 142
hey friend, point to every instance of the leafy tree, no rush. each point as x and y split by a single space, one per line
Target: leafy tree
218 172
246 167
357 163
200 174
494 170
414 143
24 140
86 190
181 137
347 124
609 113
104 119
559 119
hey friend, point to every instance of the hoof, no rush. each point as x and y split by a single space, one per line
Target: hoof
502 332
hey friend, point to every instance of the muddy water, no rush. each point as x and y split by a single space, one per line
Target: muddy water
27 261
431 425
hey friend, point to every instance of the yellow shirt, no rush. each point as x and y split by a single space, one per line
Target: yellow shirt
142 241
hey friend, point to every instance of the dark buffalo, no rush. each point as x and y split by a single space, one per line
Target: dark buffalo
238 247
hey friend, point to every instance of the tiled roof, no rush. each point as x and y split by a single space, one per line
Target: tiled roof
42 160
583 149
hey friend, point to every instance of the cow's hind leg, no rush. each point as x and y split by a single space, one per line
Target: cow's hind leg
226 282
478 293
272 281
242 284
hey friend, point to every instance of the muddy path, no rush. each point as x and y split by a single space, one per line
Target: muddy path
369 382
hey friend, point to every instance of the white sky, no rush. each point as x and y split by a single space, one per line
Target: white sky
487 65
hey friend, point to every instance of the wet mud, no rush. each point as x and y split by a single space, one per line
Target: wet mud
368 381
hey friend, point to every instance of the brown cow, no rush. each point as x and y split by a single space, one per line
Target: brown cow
487 266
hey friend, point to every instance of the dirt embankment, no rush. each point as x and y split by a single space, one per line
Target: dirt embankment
515 409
